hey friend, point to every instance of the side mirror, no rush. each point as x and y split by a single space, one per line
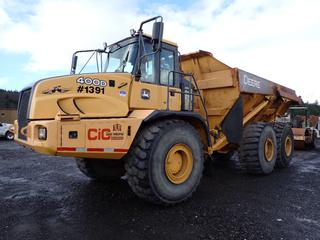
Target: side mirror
157 33
74 64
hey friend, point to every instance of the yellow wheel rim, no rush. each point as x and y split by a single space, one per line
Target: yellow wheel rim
179 163
269 149
288 146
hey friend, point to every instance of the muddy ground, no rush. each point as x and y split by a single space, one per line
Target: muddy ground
45 197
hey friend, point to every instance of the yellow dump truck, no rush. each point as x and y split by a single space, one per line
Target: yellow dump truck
144 111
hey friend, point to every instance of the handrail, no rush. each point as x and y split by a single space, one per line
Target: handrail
190 75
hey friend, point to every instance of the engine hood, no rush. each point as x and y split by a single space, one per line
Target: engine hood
87 95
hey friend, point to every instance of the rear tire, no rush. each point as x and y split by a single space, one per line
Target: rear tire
285 144
165 163
258 149
101 169
9 135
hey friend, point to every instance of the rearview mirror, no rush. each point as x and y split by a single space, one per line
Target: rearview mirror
74 64
157 33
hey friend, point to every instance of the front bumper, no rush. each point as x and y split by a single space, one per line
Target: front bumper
89 138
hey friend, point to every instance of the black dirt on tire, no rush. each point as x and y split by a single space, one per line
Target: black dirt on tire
145 162
283 131
252 148
101 169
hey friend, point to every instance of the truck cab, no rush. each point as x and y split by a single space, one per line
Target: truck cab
97 109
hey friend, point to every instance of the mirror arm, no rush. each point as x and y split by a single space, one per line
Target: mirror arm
141 44
149 20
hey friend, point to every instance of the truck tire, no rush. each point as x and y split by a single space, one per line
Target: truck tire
285 144
258 149
101 169
165 163
9 135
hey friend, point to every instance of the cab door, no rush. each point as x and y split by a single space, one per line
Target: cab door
151 91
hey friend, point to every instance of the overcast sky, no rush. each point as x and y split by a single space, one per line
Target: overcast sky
275 39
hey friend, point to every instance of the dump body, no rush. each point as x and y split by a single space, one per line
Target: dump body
231 94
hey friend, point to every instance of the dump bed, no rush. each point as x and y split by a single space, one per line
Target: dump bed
231 94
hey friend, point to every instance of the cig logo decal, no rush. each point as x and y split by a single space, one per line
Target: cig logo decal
105 134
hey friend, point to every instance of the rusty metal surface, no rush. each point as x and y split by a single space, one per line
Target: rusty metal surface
288 93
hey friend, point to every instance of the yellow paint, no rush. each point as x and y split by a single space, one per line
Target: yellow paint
110 104
158 97
269 149
179 163
288 146
58 135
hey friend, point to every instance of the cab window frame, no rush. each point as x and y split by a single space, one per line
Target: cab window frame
156 64
172 75
176 67
155 56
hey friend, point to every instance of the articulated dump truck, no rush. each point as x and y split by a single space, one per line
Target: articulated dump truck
144 112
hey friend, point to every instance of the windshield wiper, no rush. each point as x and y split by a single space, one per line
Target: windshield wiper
123 63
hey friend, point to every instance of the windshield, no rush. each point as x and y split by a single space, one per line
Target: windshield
122 59
119 57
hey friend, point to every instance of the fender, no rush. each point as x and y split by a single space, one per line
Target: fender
191 117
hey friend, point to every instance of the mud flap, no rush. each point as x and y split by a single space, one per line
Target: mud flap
232 125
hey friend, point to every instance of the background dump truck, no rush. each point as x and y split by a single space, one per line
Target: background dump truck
145 111
304 127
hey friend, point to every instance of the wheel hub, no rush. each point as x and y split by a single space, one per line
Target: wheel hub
178 163
269 149
288 146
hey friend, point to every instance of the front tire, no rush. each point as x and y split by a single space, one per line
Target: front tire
165 163
101 169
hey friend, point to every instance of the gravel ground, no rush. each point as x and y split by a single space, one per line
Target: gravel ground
46 197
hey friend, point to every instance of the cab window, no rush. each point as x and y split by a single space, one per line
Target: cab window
147 69
147 65
166 66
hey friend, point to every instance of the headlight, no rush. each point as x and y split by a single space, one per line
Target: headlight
42 133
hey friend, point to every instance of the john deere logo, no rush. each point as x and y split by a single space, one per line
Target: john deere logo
145 93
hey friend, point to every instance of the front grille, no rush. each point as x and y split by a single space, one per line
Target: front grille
23 111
